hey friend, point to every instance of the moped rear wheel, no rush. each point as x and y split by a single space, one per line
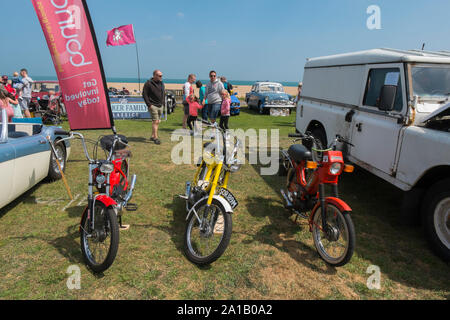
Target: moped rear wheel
100 245
336 245
205 242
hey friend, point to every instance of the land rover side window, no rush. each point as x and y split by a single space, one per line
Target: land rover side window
376 80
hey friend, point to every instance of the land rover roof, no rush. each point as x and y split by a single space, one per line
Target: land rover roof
379 56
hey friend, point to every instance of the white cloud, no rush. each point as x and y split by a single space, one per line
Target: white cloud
166 37
180 15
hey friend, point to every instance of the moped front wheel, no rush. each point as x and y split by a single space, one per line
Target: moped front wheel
336 244
208 233
100 244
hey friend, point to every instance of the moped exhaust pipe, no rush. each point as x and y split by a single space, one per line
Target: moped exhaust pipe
130 192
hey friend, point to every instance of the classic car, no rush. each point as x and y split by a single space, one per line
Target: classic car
25 156
235 107
268 97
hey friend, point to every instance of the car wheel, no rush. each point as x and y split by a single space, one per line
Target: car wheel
53 171
436 218
260 108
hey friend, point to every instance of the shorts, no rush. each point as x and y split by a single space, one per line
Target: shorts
156 112
214 111
24 103
186 108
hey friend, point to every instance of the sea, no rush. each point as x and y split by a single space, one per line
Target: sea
178 81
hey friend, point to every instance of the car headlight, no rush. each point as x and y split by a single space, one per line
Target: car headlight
335 168
107 168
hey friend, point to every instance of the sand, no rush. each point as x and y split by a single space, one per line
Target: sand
241 90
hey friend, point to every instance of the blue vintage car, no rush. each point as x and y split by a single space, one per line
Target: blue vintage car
25 156
266 97
235 108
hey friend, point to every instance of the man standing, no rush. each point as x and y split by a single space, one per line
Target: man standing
213 90
153 94
188 90
25 87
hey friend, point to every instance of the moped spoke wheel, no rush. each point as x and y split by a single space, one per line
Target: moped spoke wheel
100 245
335 244
208 233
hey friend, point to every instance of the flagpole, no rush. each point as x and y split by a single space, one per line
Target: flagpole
137 59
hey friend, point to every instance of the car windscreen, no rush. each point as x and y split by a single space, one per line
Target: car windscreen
45 87
271 88
431 82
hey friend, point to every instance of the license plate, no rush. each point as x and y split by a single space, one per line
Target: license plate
279 112
227 195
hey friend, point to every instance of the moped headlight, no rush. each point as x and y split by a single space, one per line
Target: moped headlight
335 168
100 179
107 168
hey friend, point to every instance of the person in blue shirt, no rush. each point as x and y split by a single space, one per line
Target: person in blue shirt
202 91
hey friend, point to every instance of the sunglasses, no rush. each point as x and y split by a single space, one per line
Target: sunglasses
212 76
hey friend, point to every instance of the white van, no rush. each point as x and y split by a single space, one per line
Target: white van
394 107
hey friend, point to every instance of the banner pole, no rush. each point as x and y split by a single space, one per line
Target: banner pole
138 64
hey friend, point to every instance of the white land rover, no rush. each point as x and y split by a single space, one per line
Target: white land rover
394 107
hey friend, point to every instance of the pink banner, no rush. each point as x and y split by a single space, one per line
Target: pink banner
121 36
73 46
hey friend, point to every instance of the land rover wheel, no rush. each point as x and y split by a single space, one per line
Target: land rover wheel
436 218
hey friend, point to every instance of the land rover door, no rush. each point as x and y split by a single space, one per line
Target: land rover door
375 126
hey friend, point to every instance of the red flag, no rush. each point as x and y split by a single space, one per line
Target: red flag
121 36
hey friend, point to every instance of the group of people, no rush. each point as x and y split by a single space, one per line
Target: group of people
214 100
15 95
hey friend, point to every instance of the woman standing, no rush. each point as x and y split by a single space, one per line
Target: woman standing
5 101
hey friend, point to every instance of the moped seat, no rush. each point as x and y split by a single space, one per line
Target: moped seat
107 142
299 153
124 153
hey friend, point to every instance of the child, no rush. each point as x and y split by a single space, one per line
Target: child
15 80
225 109
194 106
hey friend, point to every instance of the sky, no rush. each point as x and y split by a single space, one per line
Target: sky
240 39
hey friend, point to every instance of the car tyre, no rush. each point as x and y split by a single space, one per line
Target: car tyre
53 171
436 218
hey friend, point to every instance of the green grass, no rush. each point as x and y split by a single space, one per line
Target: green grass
269 255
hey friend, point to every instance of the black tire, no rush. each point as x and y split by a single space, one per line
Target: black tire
349 234
53 170
260 110
436 224
105 221
223 241
282 171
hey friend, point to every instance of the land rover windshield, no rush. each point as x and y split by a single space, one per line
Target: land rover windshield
431 82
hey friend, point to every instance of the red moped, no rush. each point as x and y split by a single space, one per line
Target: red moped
102 218
308 172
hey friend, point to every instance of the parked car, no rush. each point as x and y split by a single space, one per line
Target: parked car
267 96
25 157
393 106
235 108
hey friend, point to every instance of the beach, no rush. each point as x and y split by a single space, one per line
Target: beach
241 90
